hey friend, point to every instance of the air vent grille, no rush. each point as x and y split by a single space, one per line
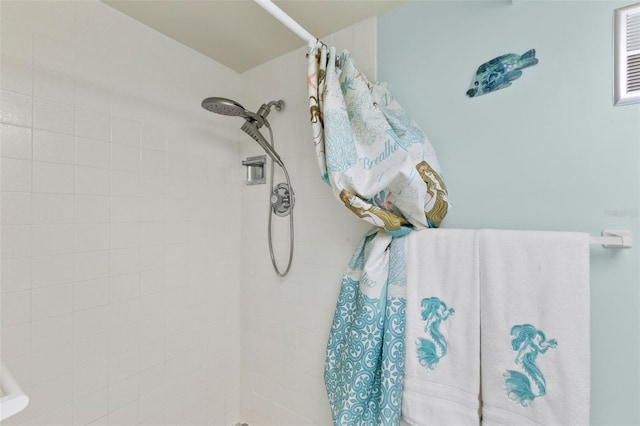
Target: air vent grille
627 55
633 73
633 32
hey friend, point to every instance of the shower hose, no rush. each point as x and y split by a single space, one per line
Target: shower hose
291 203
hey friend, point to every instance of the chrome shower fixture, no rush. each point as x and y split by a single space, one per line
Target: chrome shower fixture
282 197
253 121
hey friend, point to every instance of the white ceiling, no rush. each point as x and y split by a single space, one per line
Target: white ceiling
239 33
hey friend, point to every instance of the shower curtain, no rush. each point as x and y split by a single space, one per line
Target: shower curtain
381 166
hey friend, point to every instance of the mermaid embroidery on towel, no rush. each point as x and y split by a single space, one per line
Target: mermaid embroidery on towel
431 350
529 342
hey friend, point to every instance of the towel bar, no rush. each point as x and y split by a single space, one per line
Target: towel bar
614 239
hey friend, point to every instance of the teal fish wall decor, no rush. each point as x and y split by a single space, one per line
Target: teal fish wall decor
499 72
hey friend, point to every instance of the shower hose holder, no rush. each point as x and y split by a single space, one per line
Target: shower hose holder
282 200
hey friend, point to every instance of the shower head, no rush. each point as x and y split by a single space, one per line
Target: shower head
252 122
226 106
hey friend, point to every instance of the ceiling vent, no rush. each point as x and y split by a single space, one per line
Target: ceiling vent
627 55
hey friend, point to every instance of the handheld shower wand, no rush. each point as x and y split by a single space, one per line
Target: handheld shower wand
251 128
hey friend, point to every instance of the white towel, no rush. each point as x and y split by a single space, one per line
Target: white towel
535 327
442 364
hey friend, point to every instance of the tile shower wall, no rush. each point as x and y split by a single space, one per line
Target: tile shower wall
120 251
285 322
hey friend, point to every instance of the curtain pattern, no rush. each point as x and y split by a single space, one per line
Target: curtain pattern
364 369
382 167
376 159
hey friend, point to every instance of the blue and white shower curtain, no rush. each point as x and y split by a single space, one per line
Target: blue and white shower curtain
382 167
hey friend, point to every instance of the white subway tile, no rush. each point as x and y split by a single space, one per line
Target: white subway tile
177 187
152 257
124 209
90 379
125 157
50 395
52 363
153 305
125 78
15 274
152 233
124 261
152 330
90 351
47 240
92 208
53 86
153 281
90 294
51 332
53 301
151 137
152 404
16 42
52 208
92 181
123 366
16 75
55 20
90 67
153 185
152 161
125 105
52 270
15 208
125 416
123 287
15 142
21 370
93 125
53 178
15 241
152 354
53 116
16 308
59 416
90 265
52 54
53 147
122 393
125 235
16 341
123 313
93 97
91 237
92 39
123 340
18 13
94 153
95 14
15 108
91 407
124 183
90 322
125 131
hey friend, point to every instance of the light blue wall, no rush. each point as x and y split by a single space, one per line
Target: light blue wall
550 152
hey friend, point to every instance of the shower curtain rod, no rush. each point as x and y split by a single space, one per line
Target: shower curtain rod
285 19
